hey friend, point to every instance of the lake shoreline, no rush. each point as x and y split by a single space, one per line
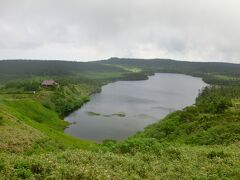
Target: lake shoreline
63 116
115 112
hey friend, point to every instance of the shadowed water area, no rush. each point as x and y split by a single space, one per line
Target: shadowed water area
125 107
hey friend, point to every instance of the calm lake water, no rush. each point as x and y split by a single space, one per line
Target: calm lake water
125 107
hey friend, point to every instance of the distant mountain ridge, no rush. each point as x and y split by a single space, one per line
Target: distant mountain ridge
11 69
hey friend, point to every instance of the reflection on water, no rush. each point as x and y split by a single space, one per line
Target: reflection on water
124 107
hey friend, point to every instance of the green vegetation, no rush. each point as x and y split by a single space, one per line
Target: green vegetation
119 114
199 142
170 162
93 113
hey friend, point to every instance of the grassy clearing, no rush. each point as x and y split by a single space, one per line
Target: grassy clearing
129 69
224 77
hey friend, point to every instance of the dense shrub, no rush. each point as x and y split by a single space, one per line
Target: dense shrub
134 145
215 99
24 85
65 105
1 120
214 154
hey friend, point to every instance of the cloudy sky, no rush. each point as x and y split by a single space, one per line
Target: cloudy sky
195 30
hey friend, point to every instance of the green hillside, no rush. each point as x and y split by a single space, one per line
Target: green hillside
201 141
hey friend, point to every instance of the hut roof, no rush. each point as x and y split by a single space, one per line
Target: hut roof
48 83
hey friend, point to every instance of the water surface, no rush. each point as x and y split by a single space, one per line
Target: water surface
125 107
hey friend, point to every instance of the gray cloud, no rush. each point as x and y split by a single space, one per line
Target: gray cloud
197 30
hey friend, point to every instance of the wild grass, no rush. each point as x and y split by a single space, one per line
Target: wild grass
171 162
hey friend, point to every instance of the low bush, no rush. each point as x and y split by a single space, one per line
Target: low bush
214 154
1 120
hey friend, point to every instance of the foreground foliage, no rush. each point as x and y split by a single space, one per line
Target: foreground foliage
171 162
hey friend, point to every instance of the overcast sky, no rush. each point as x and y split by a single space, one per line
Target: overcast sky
195 30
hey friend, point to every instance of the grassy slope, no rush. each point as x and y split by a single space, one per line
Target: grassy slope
202 129
171 162
44 128
16 136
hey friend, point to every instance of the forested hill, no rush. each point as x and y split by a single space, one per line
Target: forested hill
179 66
49 67
211 72
52 67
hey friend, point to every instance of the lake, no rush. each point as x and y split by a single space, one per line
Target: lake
122 108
